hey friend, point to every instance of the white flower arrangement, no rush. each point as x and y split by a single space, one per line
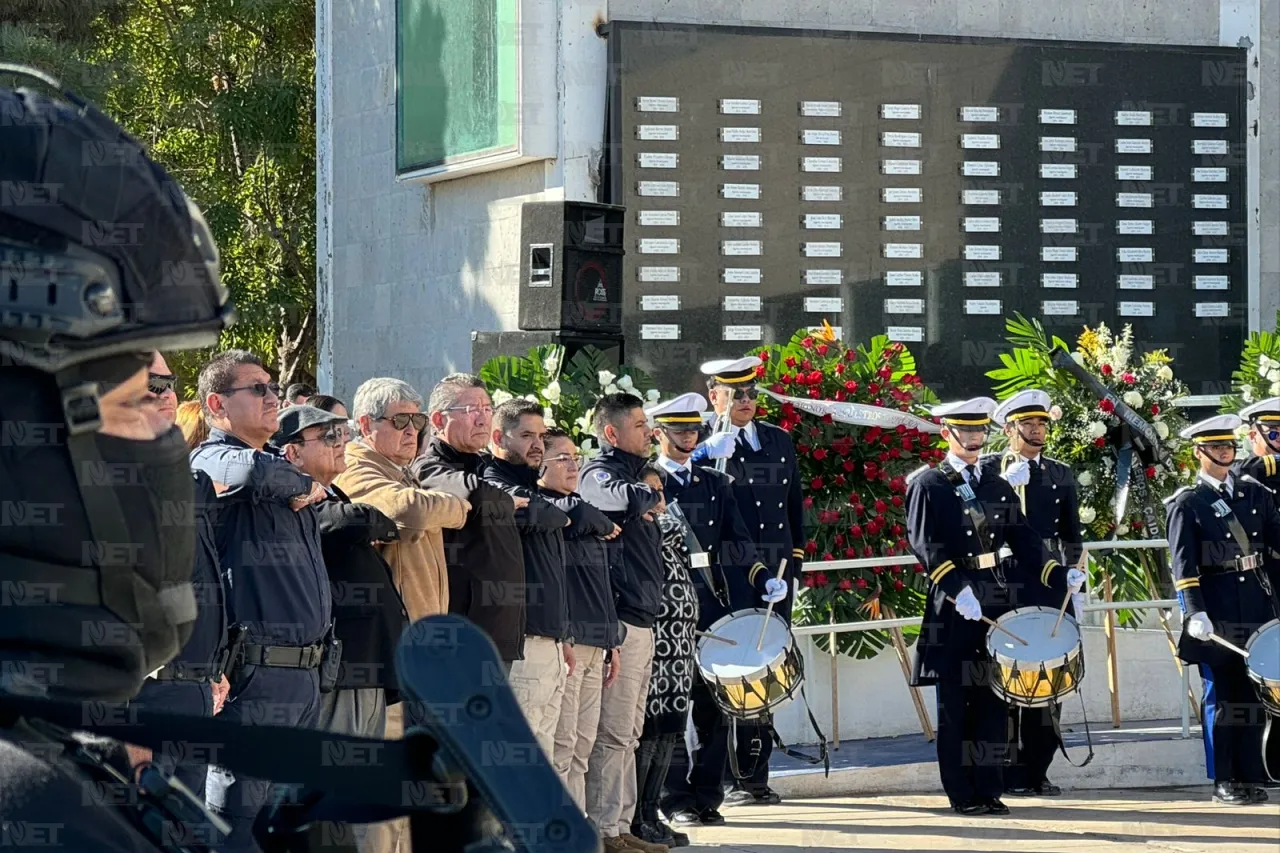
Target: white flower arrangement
1097 429
500 396
1162 429
1085 478
552 392
1133 399
1088 515
606 378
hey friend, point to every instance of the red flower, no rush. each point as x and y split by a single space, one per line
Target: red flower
816 484
1099 442
859 509
861 583
828 556
1151 472
884 373
814 432
902 543
890 552
808 581
827 419
820 579
1107 406
777 389
802 448
820 453
845 584
919 569
850 386
1155 408
815 377
850 355
895 453
856 531
840 395
875 570
808 503
867 551
850 553
847 465
761 411
785 379
815 394
822 349
839 539
811 547
790 361
759 370
1106 370
896 530
1129 378
898 585
897 570
881 506
907 445
807 343
840 480
871 469
896 501
806 364
839 370
788 410
873 388
883 456
764 355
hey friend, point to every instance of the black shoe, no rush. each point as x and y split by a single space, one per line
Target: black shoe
970 808
678 839
711 817
994 806
1048 789
738 797
1230 794
685 817
1257 794
1021 792
768 797
653 832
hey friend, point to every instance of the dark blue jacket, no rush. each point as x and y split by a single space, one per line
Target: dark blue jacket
272 564
593 618
211 622
610 483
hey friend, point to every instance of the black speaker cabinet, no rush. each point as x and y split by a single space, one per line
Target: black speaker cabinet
571 267
485 345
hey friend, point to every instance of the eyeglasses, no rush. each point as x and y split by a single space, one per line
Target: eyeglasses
678 430
402 420
565 458
746 393
160 383
468 411
258 389
338 436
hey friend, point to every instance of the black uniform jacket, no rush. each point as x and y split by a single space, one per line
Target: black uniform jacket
368 613
943 538
593 618
708 503
541 527
1205 572
610 483
1052 508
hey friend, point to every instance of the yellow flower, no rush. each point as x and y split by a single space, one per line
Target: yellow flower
1089 343
828 333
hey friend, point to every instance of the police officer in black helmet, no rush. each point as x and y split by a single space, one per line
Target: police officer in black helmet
103 259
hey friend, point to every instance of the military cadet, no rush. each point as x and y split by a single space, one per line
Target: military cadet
1263 419
1046 490
1219 531
958 518
766 481
706 500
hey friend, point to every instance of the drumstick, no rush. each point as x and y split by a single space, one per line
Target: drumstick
994 624
1063 610
714 637
1230 645
782 567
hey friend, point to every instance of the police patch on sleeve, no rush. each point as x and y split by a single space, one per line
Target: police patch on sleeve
601 476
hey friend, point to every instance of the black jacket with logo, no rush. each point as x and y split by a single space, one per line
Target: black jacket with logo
593 618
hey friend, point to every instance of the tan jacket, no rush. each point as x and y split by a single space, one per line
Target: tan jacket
417 560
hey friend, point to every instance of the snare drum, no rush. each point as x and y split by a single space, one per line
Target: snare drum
1264 665
746 683
1044 671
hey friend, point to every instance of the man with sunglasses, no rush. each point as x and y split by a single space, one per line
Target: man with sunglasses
1046 490
761 459
1220 532
1263 419
961 522
277 588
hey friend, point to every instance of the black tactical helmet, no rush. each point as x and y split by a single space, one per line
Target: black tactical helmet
101 252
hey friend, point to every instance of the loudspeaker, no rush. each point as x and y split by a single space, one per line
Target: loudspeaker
485 345
571 267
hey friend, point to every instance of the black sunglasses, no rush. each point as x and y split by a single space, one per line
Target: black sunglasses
160 383
337 436
402 420
746 393
257 389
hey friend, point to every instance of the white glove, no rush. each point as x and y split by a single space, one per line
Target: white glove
774 591
1018 474
720 445
1200 626
1075 580
967 605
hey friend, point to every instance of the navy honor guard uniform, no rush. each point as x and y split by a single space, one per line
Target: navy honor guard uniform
1046 490
1263 419
1220 531
727 577
766 481
959 521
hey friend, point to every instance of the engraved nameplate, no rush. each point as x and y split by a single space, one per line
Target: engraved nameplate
1209 202
979 114
982 306
657 105
900 167
1212 282
903 250
1133 118
659 217
740 247
1057 170
740 275
1208 119
906 334
658 274
739 107
1208 175
1057 143
659 246
981 253
1133 200
740 191
1135 255
1058 253
666 189
823 304
980 140
742 333
980 197
740 162
901 195
1058 226
659 332
900 111
658 160
1058 199
981 224
1211 229
742 303
1137 309
1213 309
820 137
739 134
822 250
657 132
820 164
822 193
903 278
904 306
982 279
901 223
1135 226
980 169
1209 146
1133 173
659 303
818 221
900 140
1060 280
823 277
825 109
1133 146
740 219
1136 282
1060 308
1057 116
1212 256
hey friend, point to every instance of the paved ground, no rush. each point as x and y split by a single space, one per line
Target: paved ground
1180 820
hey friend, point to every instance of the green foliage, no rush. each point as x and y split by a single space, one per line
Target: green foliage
1258 376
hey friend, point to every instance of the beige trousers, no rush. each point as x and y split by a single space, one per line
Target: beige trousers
538 682
391 836
611 771
579 720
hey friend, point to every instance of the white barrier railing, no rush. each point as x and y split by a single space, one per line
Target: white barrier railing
894 625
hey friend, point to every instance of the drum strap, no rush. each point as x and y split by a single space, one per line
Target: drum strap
1088 735
977 518
1223 510
823 757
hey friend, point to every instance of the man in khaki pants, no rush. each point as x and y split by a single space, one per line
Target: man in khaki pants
593 620
611 482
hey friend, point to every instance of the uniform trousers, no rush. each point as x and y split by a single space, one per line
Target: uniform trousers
260 695
972 736
755 746
1236 718
1210 697
1032 743
611 770
575 734
186 762
538 683
699 784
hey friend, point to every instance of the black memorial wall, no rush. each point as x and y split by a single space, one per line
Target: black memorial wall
926 188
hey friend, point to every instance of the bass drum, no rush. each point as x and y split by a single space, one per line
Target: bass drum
1263 664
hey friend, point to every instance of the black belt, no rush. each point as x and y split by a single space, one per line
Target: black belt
178 671
289 657
1248 563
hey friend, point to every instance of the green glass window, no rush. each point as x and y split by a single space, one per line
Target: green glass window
456 81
